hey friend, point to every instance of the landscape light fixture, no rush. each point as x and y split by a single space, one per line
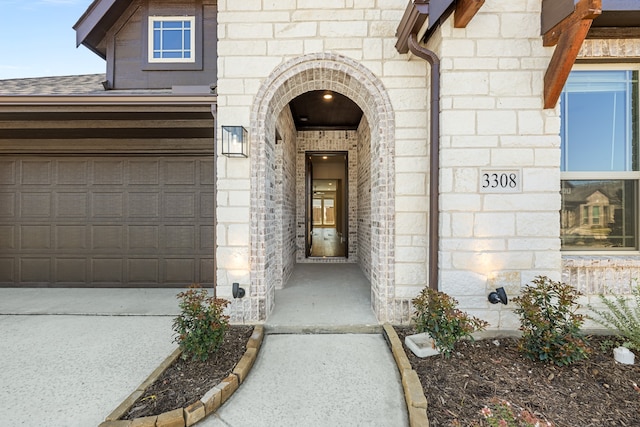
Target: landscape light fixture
235 142
498 296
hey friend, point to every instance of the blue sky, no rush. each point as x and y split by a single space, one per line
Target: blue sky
37 39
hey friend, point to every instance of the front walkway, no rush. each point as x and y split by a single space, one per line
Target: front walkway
323 361
324 298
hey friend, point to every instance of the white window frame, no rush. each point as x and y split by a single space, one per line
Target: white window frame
192 38
595 175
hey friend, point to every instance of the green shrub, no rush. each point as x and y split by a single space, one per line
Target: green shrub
621 317
549 323
436 313
201 325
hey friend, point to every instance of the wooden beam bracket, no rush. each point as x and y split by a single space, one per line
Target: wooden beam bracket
568 34
465 11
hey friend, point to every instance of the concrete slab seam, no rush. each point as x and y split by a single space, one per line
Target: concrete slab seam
207 405
415 399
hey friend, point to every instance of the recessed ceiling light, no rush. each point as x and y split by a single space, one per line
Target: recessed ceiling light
304 118
324 157
327 96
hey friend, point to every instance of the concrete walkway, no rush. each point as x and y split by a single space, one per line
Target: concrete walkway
70 356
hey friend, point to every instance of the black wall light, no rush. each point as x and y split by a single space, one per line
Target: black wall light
237 291
499 295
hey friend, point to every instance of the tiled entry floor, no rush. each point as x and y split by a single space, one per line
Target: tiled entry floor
324 298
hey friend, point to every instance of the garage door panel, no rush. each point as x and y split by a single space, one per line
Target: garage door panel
107 205
35 205
107 271
35 237
72 237
8 172
36 172
8 271
108 172
180 172
107 237
180 205
7 237
143 271
144 172
7 205
71 205
180 237
106 221
144 205
143 237
35 270
71 172
71 271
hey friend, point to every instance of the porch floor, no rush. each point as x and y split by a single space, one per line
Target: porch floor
324 298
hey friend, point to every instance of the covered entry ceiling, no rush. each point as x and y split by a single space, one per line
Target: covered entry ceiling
312 111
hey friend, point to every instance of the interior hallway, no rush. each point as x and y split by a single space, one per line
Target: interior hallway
324 298
326 243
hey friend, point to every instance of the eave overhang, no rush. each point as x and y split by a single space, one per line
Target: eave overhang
107 100
93 25
417 12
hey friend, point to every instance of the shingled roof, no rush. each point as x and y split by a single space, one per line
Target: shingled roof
88 84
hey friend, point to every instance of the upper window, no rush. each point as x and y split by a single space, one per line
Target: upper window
171 39
599 160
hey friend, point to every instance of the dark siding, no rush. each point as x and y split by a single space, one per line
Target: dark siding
127 41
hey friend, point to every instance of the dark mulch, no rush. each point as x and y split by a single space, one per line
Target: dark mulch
185 382
595 392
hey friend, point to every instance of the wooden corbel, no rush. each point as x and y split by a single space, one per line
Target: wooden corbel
465 11
568 34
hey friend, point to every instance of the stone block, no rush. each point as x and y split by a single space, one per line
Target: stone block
212 400
244 365
413 392
194 413
116 423
396 348
228 386
418 417
255 341
144 422
173 418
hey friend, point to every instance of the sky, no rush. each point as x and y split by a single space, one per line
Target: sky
37 39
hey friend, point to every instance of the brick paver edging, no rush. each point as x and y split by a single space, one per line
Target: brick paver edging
207 405
413 393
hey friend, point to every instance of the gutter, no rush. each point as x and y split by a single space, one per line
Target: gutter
434 154
106 99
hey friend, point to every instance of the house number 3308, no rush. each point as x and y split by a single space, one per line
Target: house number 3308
500 181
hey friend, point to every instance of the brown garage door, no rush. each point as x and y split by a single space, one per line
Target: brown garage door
106 221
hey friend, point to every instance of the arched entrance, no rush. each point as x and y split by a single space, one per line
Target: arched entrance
323 71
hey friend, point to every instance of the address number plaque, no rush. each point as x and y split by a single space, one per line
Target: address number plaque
500 180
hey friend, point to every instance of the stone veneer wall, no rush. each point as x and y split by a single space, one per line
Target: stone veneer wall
363 224
309 141
286 196
492 116
270 51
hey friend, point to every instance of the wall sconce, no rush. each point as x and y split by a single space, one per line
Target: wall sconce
237 291
235 141
498 296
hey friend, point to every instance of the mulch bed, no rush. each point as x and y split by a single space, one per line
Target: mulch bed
185 382
595 392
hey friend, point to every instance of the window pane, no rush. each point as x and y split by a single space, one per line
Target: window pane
598 214
172 24
172 40
597 128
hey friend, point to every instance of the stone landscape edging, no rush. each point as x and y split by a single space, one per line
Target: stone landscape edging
413 392
207 405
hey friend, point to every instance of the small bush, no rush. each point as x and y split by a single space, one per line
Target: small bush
621 317
549 323
201 326
436 313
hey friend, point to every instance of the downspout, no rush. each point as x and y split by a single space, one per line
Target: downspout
434 143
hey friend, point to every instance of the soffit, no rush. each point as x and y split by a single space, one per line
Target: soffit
311 111
93 25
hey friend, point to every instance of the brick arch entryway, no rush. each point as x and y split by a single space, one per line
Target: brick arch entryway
322 71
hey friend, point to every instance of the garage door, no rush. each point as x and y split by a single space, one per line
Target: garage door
106 221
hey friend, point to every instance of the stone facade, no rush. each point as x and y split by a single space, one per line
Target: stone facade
492 120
